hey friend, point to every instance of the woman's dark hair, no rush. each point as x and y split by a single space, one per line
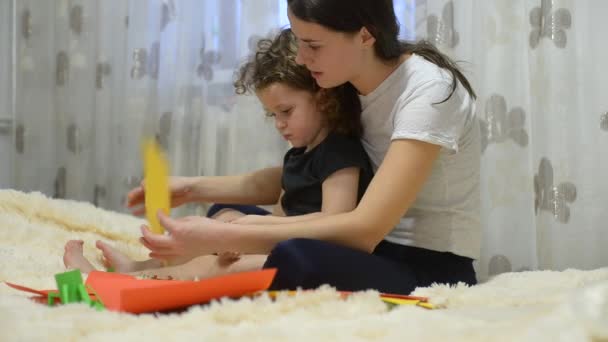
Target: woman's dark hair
275 62
378 17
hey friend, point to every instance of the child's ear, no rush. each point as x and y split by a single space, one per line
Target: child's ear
367 39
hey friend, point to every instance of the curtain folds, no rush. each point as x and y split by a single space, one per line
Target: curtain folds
81 82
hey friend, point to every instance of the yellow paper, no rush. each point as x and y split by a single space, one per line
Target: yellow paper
156 172
426 305
400 301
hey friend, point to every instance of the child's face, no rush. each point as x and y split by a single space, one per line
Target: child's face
333 58
295 114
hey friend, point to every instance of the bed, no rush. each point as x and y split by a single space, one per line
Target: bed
570 305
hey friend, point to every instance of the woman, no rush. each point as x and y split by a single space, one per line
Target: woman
418 222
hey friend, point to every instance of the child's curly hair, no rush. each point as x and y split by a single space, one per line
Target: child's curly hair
275 62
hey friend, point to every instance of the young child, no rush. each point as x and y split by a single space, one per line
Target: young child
325 172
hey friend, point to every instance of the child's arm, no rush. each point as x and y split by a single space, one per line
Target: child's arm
340 192
258 187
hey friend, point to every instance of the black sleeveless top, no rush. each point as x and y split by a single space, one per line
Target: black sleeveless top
304 172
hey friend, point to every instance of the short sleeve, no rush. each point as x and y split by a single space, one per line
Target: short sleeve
339 152
427 116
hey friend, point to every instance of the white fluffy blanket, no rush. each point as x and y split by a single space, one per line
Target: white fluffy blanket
530 306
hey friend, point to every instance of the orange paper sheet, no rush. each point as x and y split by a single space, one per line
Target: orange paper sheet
126 293
120 292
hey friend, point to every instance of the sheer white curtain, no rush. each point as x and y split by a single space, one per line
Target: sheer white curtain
91 77
540 69
6 91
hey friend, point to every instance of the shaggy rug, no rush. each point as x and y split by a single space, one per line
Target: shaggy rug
528 306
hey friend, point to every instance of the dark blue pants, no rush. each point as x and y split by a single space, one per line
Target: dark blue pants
245 209
391 268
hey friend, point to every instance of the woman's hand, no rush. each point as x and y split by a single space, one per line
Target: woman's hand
190 236
180 188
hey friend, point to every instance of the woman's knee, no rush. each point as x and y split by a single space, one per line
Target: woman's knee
292 250
294 260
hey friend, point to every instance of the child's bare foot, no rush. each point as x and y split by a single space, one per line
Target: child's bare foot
74 257
116 259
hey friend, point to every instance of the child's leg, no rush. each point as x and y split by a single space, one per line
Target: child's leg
124 264
205 266
227 215
201 267
73 257
121 262
245 209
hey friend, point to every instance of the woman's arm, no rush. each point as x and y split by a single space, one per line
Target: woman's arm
271 219
402 174
393 189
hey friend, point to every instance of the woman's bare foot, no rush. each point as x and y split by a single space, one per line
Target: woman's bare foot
74 258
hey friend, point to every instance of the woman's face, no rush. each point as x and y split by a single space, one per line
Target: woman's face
333 58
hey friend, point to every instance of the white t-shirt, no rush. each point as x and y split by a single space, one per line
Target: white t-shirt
445 214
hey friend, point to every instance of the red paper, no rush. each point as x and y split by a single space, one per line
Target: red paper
43 293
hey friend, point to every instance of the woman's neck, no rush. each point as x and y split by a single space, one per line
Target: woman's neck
374 72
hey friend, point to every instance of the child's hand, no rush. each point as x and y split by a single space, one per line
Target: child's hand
181 189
